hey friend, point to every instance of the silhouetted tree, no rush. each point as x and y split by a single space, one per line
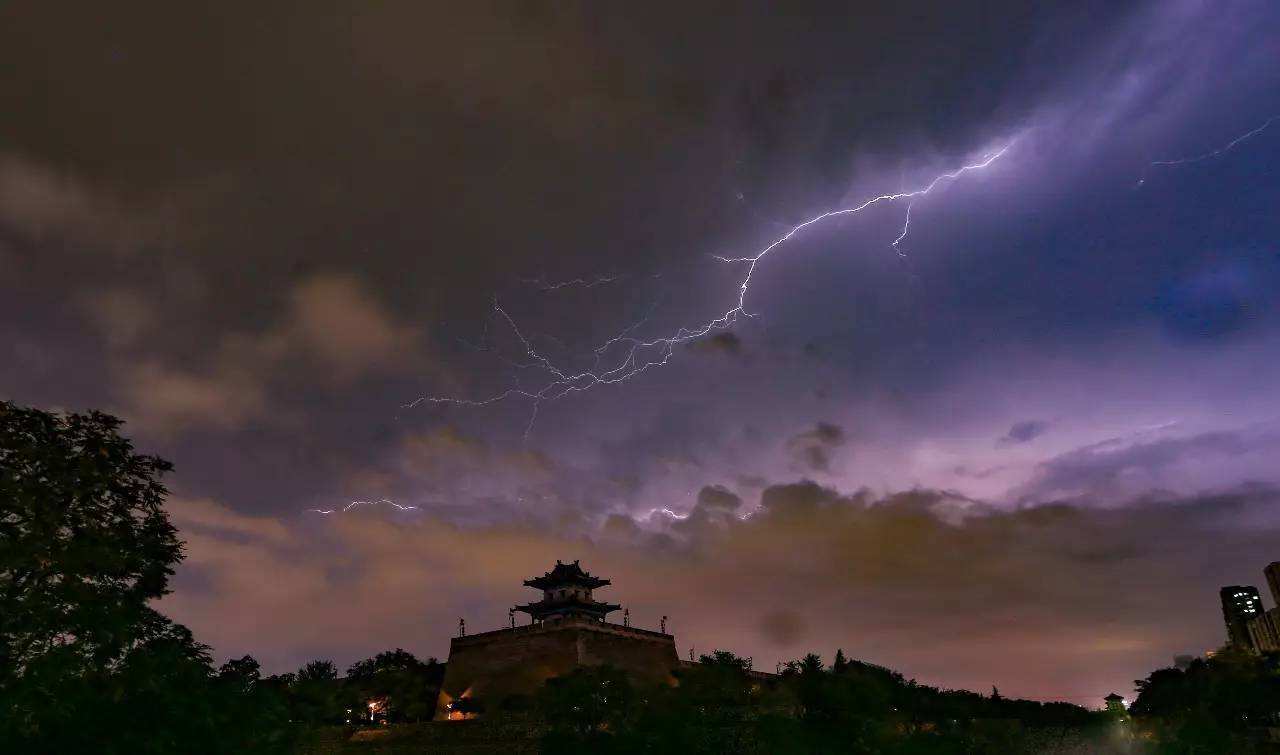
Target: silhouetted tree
1211 705
86 543
589 701
706 711
718 706
85 664
317 671
725 659
316 695
810 664
840 663
384 662
244 672
409 686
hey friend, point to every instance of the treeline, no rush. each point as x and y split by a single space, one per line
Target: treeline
158 694
849 706
1227 703
165 696
391 687
87 666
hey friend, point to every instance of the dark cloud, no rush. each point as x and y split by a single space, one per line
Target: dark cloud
782 627
1023 432
801 499
812 449
725 342
258 231
717 497
1230 294
715 505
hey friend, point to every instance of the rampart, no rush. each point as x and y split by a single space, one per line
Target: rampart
493 669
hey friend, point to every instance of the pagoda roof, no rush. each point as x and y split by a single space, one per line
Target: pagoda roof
569 604
566 574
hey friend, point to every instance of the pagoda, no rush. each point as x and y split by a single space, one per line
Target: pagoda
502 669
566 594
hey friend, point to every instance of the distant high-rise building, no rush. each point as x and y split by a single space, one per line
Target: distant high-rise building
1264 630
1273 580
1240 603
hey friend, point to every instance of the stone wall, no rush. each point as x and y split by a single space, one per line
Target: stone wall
495 666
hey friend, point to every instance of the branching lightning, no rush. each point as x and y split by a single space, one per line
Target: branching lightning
546 287
906 228
631 355
356 504
1214 152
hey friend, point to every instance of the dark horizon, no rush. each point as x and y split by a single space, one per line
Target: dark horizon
1019 437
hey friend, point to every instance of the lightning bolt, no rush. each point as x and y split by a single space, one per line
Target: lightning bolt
668 512
635 355
545 287
357 504
1211 153
906 228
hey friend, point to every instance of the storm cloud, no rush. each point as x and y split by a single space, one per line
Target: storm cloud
268 235
812 449
892 580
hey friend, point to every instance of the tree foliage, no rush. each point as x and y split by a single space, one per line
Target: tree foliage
407 686
317 671
718 705
86 665
1214 705
589 704
86 542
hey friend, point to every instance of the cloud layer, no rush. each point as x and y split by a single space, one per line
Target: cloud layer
1020 443
1053 600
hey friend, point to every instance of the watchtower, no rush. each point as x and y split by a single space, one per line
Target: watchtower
566 594
489 672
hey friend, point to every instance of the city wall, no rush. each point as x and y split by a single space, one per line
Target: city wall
493 667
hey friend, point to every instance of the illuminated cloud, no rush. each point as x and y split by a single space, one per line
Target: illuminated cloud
332 329
889 579
1121 467
48 205
165 400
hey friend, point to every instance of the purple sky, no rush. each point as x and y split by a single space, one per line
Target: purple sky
1024 448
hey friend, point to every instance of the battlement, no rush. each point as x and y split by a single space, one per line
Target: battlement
760 676
488 670
500 670
603 627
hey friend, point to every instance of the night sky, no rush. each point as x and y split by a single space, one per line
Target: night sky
1023 447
